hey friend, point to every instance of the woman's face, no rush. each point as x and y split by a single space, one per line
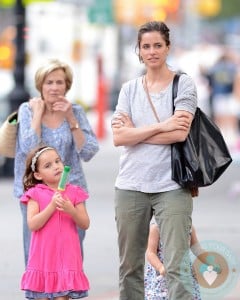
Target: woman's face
153 49
54 85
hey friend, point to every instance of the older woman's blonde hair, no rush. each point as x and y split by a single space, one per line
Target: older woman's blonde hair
50 66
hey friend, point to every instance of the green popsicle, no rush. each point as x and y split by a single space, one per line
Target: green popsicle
64 178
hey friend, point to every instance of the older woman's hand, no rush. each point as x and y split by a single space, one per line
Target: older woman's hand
37 105
62 105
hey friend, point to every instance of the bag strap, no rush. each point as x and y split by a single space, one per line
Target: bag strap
174 94
150 100
175 88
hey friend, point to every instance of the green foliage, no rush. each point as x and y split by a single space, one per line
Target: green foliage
26 2
230 8
7 3
11 3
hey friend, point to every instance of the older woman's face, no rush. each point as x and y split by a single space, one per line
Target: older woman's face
54 85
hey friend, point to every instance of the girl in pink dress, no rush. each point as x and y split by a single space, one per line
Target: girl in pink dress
54 269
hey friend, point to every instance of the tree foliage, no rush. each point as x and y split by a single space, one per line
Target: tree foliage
229 8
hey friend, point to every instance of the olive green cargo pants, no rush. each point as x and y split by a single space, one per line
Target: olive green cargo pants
172 211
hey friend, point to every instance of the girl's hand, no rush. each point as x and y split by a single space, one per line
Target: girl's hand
56 200
63 204
162 270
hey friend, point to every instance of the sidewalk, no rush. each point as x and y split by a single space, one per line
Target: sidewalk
216 216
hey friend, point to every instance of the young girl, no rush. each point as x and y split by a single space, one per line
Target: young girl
155 280
54 269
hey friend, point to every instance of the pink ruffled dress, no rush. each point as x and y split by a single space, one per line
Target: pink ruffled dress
55 261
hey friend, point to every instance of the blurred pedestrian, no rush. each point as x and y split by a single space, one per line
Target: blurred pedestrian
53 120
224 107
155 273
54 269
144 184
236 118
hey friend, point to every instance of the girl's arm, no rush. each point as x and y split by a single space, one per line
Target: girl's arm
80 216
35 219
153 245
196 248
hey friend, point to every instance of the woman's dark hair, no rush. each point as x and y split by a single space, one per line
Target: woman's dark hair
28 178
158 26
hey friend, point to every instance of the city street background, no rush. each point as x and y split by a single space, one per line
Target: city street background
98 39
216 217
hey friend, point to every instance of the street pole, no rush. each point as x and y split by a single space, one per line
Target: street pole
19 93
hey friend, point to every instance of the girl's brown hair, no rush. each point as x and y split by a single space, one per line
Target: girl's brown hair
28 178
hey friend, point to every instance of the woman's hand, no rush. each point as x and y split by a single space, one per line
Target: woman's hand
37 106
179 121
65 106
122 120
62 105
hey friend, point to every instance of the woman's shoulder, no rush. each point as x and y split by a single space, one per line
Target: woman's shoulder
185 78
132 82
24 106
132 86
186 84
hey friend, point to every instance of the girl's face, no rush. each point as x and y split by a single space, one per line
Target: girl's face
50 168
153 49
54 85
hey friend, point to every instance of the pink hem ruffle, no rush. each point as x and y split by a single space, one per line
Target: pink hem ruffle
50 282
